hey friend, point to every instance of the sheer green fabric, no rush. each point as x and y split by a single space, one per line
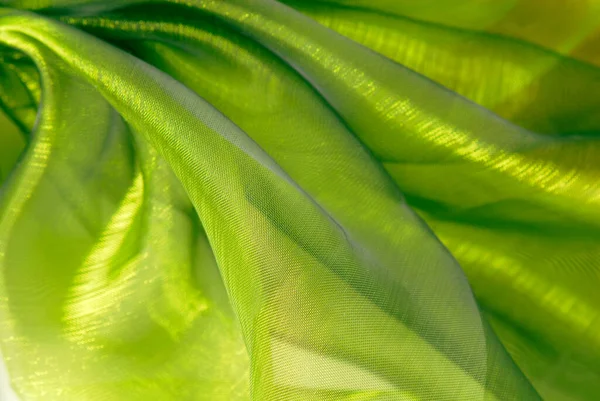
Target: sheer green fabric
317 200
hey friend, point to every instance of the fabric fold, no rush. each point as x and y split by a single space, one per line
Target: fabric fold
223 200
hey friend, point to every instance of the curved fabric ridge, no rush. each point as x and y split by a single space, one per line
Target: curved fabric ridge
532 87
565 26
231 200
336 289
393 99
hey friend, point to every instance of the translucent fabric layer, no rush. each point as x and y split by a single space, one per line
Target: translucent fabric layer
316 200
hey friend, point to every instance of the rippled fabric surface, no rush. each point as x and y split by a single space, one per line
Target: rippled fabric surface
316 200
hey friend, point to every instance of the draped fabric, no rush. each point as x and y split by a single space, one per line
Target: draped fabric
299 200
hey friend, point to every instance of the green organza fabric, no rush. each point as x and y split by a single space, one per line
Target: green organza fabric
300 200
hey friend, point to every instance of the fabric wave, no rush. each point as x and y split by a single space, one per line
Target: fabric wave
245 199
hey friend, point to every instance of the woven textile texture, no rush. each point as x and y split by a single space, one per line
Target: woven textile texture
361 200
